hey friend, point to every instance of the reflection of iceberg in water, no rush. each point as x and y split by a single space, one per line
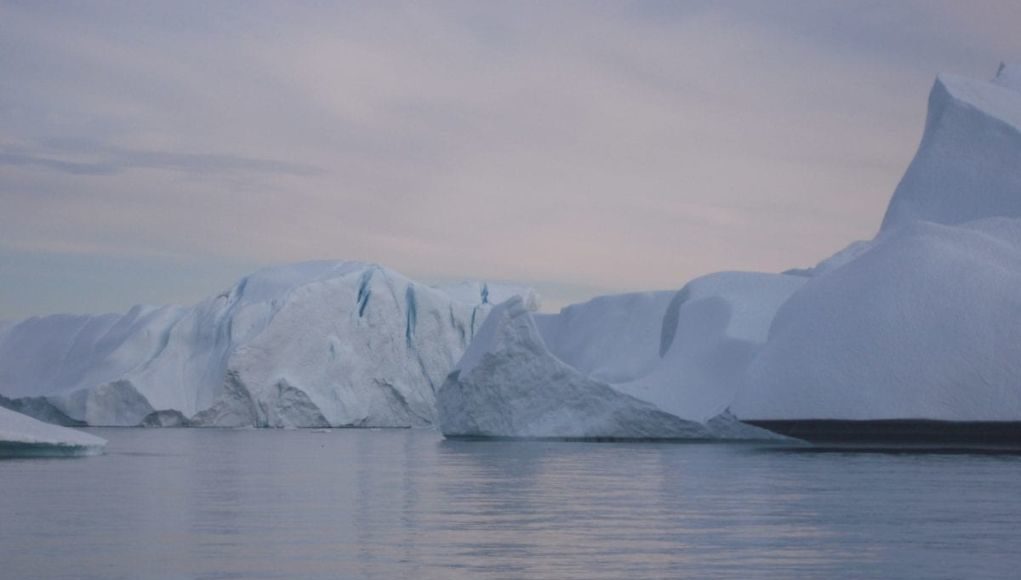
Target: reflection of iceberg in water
549 509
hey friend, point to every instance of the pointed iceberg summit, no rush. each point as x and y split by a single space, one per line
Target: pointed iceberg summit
968 165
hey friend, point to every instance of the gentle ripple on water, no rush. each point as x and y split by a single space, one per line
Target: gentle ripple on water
407 504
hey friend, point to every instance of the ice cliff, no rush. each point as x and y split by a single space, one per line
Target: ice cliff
311 344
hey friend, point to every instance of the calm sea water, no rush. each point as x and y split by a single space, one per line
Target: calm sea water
196 503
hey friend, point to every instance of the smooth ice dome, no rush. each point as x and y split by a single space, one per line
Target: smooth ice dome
710 332
304 345
23 436
683 351
923 326
921 322
510 385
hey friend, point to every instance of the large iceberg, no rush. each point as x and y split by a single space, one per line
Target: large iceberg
918 324
304 345
23 436
917 332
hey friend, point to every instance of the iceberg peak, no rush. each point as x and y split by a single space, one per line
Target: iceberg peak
968 165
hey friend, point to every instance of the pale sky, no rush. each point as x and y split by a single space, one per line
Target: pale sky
154 153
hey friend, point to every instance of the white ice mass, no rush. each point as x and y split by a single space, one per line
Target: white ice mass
967 166
631 366
919 323
922 326
23 436
510 385
306 345
923 323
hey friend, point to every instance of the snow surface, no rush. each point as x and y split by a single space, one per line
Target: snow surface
304 345
921 322
711 331
23 436
968 165
609 338
510 385
923 326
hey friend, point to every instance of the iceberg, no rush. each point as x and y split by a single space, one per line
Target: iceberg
23 436
913 335
968 165
922 326
653 365
509 385
304 345
916 328
711 331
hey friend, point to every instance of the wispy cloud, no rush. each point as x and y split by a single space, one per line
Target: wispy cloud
113 161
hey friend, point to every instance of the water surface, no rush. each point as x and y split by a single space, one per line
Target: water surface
206 503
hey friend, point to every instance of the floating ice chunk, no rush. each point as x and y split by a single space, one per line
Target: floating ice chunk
510 385
23 436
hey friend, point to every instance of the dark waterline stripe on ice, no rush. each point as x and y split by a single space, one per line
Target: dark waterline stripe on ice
996 433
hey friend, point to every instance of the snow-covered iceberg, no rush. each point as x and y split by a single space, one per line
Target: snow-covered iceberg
23 436
508 384
968 165
916 332
925 325
305 345
918 324
710 332
642 365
